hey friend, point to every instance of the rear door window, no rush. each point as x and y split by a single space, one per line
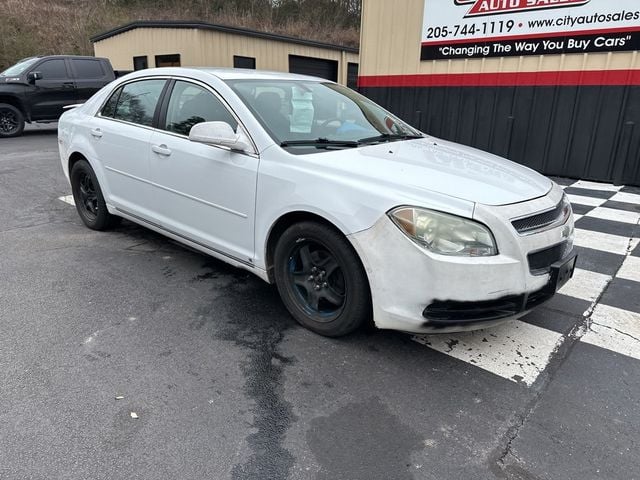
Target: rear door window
138 101
87 69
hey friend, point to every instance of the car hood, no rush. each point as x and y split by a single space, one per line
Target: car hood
444 167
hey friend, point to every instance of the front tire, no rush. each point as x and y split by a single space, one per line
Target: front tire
321 279
11 121
88 198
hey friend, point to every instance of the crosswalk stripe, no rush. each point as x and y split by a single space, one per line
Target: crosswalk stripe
630 269
626 197
67 199
602 241
596 186
586 285
517 351
615 215
616 330
588 201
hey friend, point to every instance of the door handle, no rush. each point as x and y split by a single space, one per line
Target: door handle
161 150
96 132
68 85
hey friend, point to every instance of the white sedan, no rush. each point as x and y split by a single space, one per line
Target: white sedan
351 212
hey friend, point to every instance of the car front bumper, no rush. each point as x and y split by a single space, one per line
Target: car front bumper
417 291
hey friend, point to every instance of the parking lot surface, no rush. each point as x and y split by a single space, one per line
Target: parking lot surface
99 328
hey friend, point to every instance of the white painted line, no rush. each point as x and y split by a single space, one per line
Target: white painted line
515 350
585 285
616 330
588 201
601 241
614 215
630 269
596 186
68 199
577 217
626 197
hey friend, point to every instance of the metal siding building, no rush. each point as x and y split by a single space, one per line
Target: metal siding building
568 114
202 44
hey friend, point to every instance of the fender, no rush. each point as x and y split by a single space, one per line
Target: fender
13 94
81 145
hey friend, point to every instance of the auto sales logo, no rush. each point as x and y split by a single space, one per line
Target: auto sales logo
494 7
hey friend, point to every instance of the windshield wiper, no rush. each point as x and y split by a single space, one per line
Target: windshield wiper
388 137
319 143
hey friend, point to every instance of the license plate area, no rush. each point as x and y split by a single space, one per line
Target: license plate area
562 272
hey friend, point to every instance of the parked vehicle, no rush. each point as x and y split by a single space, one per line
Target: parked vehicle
37 89
351 212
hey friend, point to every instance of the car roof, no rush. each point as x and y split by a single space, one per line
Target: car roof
231 73
82 57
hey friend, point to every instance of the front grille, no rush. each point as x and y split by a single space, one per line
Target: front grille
538 221
540 262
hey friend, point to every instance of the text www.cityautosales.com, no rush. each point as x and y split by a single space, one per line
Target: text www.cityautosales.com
596 18
508 26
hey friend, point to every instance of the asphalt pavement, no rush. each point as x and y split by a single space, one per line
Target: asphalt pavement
99 328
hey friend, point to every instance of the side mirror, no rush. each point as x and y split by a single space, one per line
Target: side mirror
33 76
220 134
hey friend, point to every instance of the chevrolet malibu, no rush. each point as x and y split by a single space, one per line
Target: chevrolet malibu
351 212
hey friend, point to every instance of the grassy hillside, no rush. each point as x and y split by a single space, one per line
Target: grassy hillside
41 27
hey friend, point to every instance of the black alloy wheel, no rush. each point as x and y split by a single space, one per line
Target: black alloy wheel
321 279
88 198
318 280
11 121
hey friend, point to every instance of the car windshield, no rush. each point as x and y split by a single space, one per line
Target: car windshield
299 114
19 68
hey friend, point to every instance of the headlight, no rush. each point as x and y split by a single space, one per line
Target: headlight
445 234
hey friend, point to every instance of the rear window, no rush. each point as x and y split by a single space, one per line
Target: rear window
88 68
109 108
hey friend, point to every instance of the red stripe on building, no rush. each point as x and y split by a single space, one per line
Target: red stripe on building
534 35
506 79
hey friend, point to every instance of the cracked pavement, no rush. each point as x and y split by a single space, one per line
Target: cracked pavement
227 386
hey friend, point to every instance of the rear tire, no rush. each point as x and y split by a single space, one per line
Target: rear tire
88 198
321 279
11 121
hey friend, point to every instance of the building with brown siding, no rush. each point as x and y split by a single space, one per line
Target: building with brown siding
147 44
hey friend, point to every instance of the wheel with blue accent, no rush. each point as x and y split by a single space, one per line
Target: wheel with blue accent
321 279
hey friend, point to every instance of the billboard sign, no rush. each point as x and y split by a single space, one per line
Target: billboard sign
499 28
